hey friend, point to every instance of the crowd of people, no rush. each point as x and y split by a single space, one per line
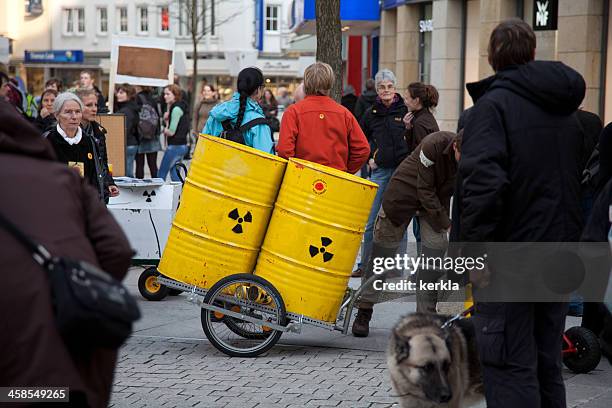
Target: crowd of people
514 167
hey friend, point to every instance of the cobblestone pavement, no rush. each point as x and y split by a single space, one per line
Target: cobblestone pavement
169 363
186 373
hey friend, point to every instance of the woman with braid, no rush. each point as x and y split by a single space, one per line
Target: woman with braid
241 109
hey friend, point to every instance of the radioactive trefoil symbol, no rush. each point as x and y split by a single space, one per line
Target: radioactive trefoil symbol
235 215
148 195
314 251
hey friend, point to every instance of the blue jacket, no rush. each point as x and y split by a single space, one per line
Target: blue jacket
258 137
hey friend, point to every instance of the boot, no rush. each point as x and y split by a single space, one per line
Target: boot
361 325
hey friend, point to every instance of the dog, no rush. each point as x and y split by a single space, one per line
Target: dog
432 366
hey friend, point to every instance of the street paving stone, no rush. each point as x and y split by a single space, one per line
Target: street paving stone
282 377
169 363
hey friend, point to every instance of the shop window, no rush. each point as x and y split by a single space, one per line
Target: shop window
164 20
74 21
102 24
122 20
143 20
272 13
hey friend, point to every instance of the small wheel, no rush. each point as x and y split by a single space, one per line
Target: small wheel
148 286
588 352
241 338
174 292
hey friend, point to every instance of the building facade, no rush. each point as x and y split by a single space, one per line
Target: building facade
257 30
444 42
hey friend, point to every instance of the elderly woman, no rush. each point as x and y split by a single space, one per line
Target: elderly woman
383 125
320 130
70 144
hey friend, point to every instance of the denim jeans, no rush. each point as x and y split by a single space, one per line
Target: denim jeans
381 177
130 156
173 154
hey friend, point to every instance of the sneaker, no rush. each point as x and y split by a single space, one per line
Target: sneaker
361 325
357 273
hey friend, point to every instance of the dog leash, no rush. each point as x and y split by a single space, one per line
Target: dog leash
459 316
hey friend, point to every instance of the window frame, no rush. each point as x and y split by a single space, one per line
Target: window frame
99 31
118 24
273 19
68 21
160 13
80 12
139 10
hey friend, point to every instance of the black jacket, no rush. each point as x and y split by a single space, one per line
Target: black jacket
521 156
131 111
385 130
98 133
80 155
349 101
182 130
46 123
364 101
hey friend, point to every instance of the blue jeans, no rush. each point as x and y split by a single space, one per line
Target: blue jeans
173 154
381 177
130 156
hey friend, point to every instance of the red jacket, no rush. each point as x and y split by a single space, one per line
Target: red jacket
322 131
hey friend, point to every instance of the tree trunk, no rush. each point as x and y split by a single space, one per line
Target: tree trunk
329 40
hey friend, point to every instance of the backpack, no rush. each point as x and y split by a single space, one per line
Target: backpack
148 121
236 134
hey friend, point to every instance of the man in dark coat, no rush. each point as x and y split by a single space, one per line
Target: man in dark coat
521 170
50 202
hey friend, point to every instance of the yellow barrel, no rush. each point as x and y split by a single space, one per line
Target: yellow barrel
223 214
314 235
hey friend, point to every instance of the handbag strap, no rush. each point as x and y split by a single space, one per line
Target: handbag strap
39 252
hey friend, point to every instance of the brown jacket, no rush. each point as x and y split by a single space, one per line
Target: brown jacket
423 124
54 206
424 182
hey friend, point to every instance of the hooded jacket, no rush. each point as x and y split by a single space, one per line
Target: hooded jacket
258 137
521 156
75 224
385 130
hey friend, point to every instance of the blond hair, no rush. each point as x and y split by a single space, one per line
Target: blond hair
318 79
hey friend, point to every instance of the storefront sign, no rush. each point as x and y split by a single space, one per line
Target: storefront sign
54 56
426 26
545 13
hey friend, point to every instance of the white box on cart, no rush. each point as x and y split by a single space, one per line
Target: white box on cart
145 209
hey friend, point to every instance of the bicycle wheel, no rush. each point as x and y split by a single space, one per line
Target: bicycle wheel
251 296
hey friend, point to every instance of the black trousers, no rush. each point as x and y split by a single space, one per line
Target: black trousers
520 352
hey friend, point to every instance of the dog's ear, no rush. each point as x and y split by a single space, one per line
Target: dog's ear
402 347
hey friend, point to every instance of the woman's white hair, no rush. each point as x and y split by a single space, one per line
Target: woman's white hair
385 75
63 98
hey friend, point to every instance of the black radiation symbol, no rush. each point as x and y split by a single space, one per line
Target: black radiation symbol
314 251
235 215
149 195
